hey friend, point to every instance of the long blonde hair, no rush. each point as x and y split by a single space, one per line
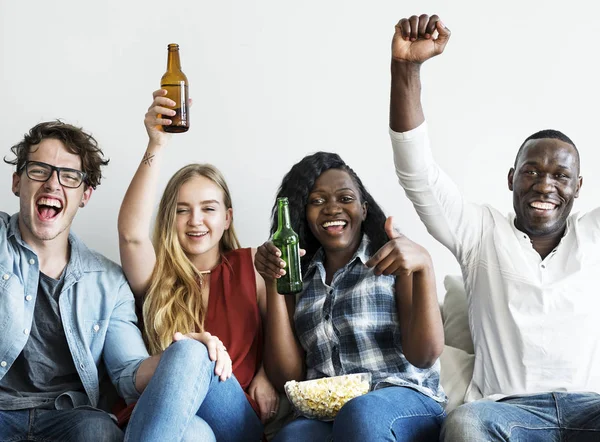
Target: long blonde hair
174 300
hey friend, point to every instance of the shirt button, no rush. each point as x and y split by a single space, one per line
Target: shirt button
28 298
32 261
543 266
96 327
26 331
81 365
5 276
3 364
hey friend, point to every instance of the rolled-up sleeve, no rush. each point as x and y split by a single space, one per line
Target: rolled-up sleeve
124 349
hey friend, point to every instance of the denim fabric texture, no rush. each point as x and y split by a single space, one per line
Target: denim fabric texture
75 425
96 307
551 417
185 400
387 414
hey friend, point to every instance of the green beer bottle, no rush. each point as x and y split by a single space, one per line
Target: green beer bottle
286 240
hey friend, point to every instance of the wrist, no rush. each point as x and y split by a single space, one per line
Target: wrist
427 265
155 145
406 75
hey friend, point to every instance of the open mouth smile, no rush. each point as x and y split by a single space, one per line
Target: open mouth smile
542 207
196 235
334 227
48 208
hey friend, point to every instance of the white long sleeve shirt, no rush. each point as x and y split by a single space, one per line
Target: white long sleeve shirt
535 323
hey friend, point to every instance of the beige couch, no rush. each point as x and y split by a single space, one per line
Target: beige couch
457 359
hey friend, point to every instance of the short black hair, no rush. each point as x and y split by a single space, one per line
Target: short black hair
547 133
297 185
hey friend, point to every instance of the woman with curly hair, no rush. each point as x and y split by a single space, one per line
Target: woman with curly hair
368 304
196 282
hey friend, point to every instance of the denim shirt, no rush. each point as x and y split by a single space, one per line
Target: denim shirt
96 306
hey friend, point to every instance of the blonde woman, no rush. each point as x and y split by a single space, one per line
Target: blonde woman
195 282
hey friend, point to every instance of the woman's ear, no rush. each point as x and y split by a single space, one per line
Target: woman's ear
365 207
228 218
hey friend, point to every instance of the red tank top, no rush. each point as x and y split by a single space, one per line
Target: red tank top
233 316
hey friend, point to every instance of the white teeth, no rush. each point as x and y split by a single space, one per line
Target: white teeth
50 202
541 205
198 234
334 223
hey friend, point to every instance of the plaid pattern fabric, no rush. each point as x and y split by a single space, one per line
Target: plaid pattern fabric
351 326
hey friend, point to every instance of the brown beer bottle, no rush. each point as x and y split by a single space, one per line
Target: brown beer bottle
176 84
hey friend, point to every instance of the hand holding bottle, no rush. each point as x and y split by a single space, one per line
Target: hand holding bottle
268 261
158 116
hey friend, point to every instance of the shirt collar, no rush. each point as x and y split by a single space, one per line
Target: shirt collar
513 219
361 253
82 258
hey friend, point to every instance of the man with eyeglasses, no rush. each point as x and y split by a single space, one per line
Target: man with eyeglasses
67 315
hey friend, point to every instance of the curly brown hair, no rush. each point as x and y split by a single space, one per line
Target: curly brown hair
75 139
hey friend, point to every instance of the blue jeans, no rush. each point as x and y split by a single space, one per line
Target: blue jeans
552 417
76 425
185 400
387 414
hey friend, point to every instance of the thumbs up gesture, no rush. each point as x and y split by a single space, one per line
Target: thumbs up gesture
399 256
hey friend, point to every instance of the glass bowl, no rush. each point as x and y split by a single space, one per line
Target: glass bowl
323 398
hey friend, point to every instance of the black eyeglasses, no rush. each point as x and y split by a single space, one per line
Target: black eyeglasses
38 171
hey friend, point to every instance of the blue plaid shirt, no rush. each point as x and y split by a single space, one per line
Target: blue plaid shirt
351 326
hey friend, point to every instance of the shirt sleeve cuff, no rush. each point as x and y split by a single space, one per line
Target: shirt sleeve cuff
409 135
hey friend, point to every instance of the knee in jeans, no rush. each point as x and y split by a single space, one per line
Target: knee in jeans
198 430
466 423
357 411
97 427
190 350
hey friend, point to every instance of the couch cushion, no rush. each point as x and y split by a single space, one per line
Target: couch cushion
455 375
455 315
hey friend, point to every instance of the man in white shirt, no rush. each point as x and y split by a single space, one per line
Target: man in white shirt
531 277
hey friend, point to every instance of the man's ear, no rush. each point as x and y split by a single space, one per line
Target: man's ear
87 194
511 175
16 183
579 184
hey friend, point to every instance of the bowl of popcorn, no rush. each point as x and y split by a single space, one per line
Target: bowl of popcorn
323 398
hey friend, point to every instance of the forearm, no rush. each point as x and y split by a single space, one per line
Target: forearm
423 336
135 214
145 372
284 357
406 111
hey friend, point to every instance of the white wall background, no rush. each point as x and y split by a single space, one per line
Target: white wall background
274 80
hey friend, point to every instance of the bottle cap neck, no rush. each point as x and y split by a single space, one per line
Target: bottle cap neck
283 213
173 62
